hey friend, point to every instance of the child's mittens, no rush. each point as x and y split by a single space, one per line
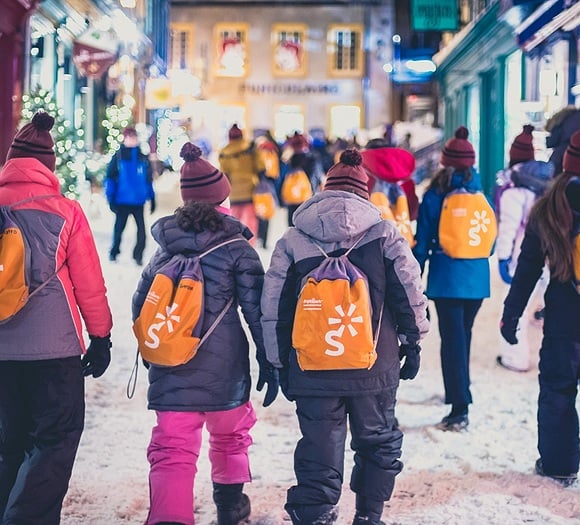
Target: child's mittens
268 375
508 327
504 270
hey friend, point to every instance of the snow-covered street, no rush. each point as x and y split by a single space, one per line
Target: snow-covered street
481 476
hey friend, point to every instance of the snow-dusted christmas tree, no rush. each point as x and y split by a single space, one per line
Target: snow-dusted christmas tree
68 141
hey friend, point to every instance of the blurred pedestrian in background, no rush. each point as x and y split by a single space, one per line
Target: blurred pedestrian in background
523 182
241 161
128 186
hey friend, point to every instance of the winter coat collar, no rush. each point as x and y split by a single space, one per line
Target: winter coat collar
28 170
173 239
334 215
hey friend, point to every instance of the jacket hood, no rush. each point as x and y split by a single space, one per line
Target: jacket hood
335 215
174 240
458 181
28 170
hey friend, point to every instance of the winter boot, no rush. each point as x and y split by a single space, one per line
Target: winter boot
313 514
368 511
565 480
233 506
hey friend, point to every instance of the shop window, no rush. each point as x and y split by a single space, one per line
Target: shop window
345 121
181 46
288 53
231 53
345 50
288 118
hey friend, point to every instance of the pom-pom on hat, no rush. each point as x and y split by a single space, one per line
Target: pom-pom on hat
522 148
571 160
458 151
200 181
235 133
35 141
348 174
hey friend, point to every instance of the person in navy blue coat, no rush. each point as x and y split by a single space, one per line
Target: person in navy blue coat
128 186
552 233
457 286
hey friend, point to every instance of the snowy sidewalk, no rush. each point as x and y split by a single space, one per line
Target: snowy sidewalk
482 476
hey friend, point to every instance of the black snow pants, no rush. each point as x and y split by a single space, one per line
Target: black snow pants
319 454
42 411
558 441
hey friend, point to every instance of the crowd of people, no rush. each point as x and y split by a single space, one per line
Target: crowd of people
353 219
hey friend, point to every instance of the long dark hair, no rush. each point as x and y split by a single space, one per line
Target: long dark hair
441 181
199 216
554 219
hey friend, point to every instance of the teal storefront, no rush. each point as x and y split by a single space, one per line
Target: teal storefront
471 71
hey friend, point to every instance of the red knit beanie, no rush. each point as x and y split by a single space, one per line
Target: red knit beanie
571 160
522 148
200 181
34 140
235 133
348 174
458 151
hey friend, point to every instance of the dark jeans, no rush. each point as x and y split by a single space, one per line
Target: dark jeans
123 211
291 209
558 441
319 454
456 317
42 410
263 226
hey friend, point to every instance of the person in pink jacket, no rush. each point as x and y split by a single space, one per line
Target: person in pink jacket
41 370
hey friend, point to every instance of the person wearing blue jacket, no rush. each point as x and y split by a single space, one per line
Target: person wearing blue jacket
457 286
128 186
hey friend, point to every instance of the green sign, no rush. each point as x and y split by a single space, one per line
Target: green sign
434 15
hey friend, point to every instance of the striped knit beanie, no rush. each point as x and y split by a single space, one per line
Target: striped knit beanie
34 141
348 174
458 151
571 160
522 148
200 181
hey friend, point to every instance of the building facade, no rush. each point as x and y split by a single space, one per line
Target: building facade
281 66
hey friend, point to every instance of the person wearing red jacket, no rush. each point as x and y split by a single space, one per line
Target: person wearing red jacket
42 404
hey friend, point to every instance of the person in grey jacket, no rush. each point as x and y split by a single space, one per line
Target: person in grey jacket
213 388
334 220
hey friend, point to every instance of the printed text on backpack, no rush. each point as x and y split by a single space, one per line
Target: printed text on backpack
467 226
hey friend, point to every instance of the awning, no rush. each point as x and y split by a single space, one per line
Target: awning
94 52
545 20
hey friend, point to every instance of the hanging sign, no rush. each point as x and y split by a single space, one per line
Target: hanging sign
94 52
434 15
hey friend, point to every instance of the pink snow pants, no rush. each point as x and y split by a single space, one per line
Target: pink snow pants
246 214
174 450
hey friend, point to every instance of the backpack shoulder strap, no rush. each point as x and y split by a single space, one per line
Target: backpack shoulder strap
215 247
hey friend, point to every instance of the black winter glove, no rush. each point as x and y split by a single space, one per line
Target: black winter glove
268 375
412 358
153 205
98 356
508 328
283 376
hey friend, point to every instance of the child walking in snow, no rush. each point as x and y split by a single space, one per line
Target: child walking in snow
456 285
42 390
341 220
553 232
213 388
526 180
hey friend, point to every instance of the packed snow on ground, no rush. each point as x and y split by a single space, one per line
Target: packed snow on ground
481 476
